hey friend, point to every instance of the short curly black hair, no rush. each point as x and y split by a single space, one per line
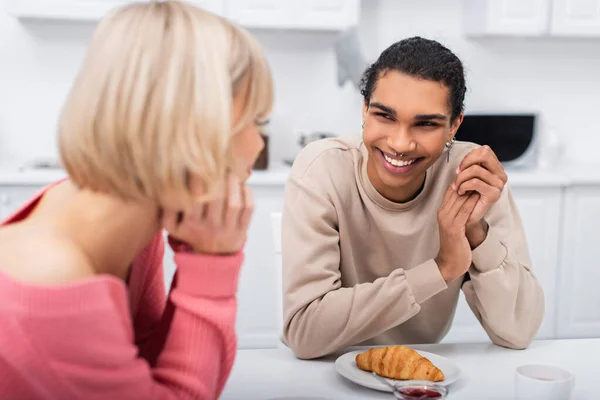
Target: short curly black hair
423 58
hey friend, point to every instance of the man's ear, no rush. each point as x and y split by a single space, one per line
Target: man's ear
455 125
365 110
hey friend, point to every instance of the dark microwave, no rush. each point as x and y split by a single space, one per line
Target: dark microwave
510 136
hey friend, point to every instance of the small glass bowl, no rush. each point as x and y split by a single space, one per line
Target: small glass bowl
420 390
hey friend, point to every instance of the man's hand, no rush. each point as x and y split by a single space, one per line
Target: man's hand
480 171
454 257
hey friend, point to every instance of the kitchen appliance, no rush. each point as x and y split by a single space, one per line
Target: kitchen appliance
262 161
512 136
350 59
306 138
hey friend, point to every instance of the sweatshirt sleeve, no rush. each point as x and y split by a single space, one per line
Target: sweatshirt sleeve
321 316
503 292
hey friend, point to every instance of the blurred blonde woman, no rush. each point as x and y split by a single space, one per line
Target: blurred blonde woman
159 131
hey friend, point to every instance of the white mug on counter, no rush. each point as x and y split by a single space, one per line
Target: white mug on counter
543 382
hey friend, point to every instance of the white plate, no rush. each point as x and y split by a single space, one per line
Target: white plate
346 366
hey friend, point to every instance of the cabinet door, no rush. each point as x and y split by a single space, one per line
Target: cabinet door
540 210
527 17
465 327
294 14
579 305
576 18
258 299
76 10
506 17
261 13
326 14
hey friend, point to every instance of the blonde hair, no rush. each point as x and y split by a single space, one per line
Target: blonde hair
152 103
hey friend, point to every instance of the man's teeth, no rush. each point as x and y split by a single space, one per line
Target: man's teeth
399 163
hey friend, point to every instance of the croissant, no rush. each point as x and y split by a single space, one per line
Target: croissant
398 362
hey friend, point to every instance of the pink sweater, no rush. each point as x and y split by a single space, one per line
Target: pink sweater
100 338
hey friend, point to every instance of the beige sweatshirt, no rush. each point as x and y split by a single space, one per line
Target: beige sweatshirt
360 269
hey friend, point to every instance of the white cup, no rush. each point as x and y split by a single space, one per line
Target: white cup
543 382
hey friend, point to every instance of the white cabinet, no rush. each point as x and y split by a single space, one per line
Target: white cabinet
271 14
259 13
578 292
540 210
465 327
257 291
506 17
576 18
85 10
327 14
294 14
74 10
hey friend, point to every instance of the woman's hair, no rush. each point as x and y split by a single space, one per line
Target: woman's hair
152 103
422 58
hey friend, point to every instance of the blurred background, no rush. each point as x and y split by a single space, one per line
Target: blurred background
515 59
533 94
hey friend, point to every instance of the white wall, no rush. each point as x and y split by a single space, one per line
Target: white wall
554 77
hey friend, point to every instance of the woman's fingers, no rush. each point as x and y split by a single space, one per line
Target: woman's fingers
233 203
248 210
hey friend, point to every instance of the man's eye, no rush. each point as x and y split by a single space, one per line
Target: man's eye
384 115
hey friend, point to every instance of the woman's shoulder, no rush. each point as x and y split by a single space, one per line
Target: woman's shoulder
41 257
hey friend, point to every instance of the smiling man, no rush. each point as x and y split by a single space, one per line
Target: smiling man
381 233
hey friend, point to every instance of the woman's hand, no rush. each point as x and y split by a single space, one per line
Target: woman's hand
217 227
454 258
480 172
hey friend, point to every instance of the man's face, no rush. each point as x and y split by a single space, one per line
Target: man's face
407 124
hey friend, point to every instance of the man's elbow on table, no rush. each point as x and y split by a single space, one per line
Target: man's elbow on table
516 342
303 341
521 333
304 352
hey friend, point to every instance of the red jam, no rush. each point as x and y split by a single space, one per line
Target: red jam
418 393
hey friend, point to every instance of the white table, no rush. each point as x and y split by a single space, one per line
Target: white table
487 372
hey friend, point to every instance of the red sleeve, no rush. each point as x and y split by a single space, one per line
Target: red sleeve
152 299
96 357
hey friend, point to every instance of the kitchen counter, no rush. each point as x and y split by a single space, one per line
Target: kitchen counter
277 176
574 175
